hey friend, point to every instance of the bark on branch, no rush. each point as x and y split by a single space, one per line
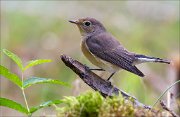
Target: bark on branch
96 82
167 109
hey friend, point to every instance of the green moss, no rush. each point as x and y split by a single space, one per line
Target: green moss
116 107
85 105
92 104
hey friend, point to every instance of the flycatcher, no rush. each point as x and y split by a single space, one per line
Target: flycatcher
104 51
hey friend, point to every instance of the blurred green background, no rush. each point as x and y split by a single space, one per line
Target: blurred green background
40 30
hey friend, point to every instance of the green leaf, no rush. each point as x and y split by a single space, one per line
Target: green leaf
36 62
12 77
14 57
45 104
13 105
37 80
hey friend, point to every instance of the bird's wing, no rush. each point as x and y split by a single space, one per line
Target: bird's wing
109 49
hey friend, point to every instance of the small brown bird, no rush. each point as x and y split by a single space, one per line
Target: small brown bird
104 51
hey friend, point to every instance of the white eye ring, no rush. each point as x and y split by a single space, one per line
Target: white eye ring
87 23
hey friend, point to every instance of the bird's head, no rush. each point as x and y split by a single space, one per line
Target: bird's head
88 26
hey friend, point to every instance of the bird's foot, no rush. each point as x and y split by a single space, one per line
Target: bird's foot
92 69
86 68
109 82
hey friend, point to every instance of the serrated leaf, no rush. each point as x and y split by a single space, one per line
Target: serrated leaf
14 57
13 105
45 104
37 80
36 62
12 77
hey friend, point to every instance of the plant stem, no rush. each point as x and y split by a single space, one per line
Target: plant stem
165 92
24 93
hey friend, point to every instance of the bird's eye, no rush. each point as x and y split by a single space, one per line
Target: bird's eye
87 23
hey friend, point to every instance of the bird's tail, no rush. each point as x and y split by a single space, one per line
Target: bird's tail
143 58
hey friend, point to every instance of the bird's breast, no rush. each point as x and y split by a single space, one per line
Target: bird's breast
97 61
88 54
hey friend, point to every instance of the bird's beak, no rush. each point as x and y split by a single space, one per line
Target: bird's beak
73 21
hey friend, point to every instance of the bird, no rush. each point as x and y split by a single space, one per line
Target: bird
104 51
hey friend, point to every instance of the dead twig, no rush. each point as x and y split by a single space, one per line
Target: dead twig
167 109
96 82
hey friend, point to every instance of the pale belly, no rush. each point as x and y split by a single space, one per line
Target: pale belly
97 61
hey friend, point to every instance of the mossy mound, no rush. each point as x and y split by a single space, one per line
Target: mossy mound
92 104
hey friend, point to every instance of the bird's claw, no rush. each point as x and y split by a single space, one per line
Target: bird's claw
86 68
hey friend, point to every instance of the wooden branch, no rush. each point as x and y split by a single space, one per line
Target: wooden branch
167 109
96 82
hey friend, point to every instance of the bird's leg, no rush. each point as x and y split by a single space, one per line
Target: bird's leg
97 69
110 76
